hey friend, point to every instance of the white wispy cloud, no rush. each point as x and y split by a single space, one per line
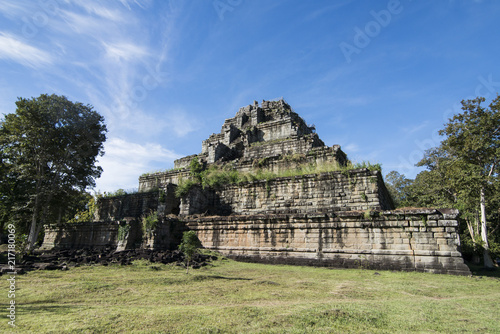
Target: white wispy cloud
129 3
12 48
351 147
125 161
181 123
102 56
99 10
10 9
125 51
124 63
84 24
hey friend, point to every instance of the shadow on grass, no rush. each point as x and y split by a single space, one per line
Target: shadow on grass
30 308
479 270
206 277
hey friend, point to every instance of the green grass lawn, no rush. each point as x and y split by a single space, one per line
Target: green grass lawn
233 297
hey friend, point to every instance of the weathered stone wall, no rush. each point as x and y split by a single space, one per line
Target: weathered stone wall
184 162
131 205
281 147
279 156
162 200
359 189
274 121
166 235
161 179
420 240
80 235
277 129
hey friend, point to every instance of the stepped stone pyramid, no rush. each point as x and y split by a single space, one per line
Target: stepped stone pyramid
270 136
341 218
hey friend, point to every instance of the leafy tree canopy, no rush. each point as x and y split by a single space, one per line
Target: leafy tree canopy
189 246
463 172
49 149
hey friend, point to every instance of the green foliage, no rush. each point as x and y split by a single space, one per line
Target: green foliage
368 165
184 186
149 223
474 135
162 196
160 171
459 172
123 231
88 213
119 192
296 157
216 176
196 169
399 188
49 149
189 246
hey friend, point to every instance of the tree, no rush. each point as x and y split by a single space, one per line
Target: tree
440 184
49 148
400 189
473 138
462 173
451 182
189 246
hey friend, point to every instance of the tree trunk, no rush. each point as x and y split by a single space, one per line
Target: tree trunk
488 263
36 210
470 227
33 227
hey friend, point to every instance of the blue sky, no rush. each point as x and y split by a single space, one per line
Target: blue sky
379 78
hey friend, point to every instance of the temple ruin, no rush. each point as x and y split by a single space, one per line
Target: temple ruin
338 218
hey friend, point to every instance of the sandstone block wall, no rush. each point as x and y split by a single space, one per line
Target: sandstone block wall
425 240
80 235
328 192
166 235
279 156
161 179
131 205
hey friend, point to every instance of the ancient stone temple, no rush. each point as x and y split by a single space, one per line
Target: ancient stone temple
326 215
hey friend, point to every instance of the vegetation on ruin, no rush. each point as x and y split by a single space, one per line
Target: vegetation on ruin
123 231
216 176
463 172
160 171
233 297
269 142
88 212
149 223
119 192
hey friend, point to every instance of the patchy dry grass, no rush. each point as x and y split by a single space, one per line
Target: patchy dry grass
232 297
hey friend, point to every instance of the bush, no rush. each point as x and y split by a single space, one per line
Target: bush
123 231
184 186
189 246
196 169
149 223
